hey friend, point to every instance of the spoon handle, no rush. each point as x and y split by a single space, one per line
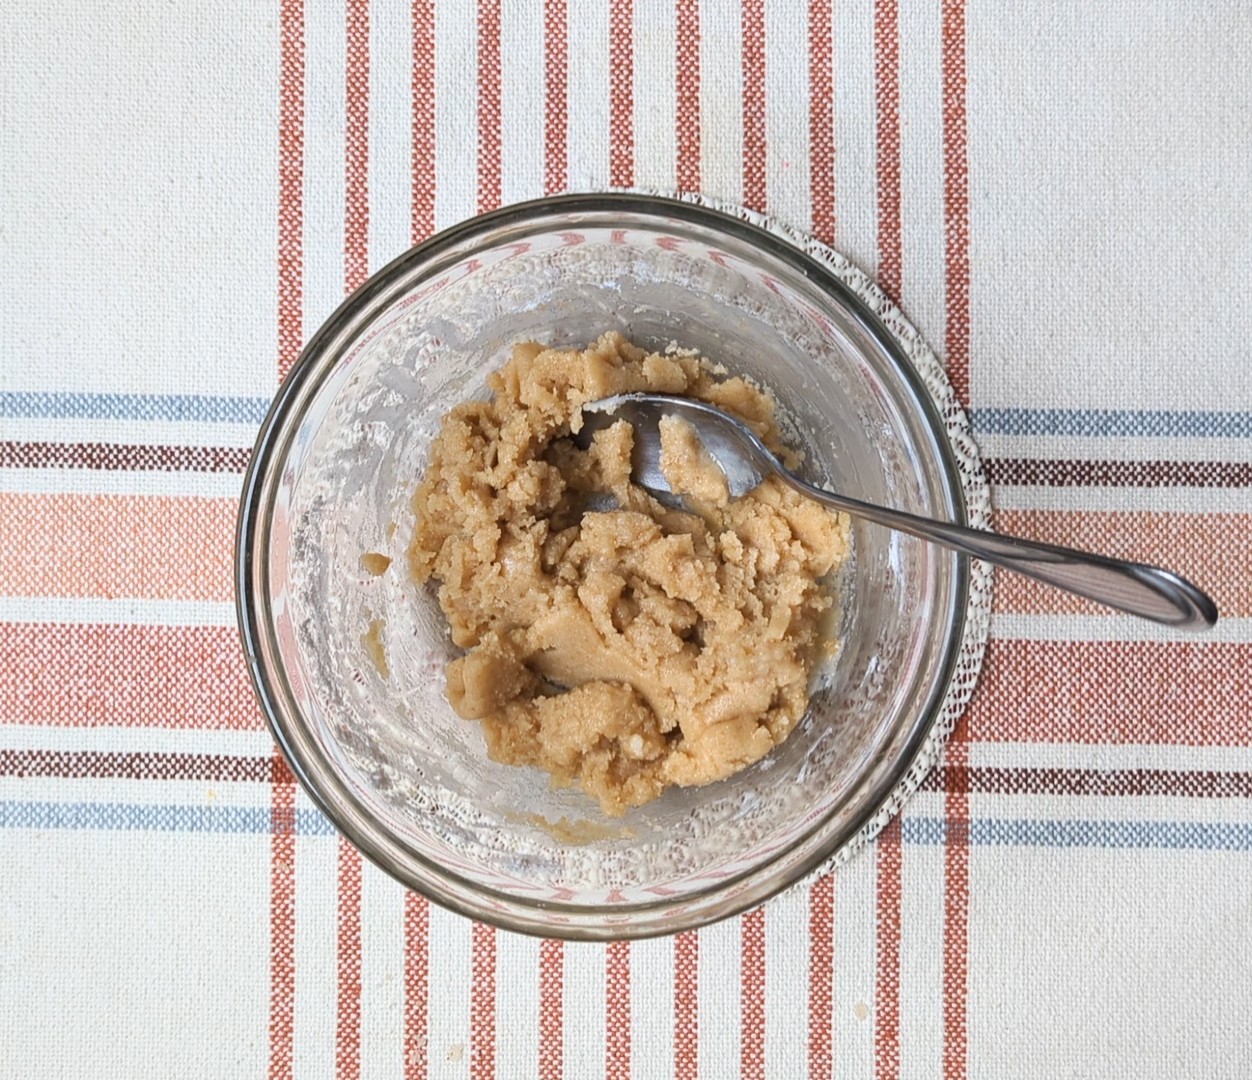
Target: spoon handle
1147 591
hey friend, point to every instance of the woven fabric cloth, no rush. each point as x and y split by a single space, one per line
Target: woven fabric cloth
1055 193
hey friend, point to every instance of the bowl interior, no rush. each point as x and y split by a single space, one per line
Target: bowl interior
385 754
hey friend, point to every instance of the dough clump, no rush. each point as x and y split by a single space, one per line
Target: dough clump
610 640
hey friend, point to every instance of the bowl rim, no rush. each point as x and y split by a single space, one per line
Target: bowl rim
585 922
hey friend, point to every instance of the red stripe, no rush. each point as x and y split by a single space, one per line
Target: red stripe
888 854
956 907
1210 548
686 1006
290 184
887 100
105 651
483 1003
87 764
621 94
551 1010
956 198
556 101
822 119
356 270
752 996
348 962
489 78
1021 472
617 1010
1178 693
688 87
987 780
122 457
753 29
156 547
821 976
91 675
1029 472
483 994
1170 783
423 223
282 921
416 986
887 865
956 347
356 145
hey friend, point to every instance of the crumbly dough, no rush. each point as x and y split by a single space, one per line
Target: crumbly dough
375 563
372 639
686 466
618 644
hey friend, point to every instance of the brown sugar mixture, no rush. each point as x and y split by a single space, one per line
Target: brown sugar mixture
612 641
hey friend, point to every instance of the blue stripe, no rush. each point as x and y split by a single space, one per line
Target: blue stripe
929 831
924 830
1118 423
179 408
126 817
189 408
1175 835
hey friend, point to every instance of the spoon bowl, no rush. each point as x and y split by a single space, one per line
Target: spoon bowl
1149 592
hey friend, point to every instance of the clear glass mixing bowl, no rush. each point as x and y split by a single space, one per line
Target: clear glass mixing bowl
332 476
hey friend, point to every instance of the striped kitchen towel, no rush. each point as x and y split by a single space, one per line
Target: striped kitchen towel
1055 192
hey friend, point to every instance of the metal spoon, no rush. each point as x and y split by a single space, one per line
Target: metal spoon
1146 591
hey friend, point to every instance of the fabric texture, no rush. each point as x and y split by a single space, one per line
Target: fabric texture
1054 193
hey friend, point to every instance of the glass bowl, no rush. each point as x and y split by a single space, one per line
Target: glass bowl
377 746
